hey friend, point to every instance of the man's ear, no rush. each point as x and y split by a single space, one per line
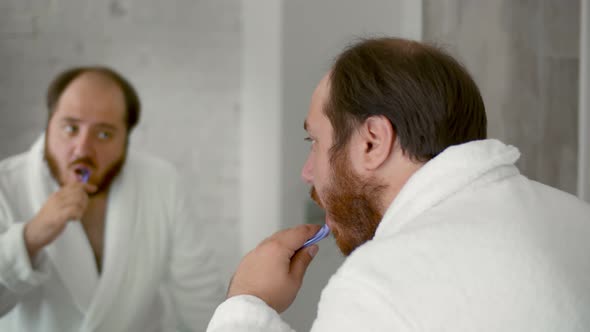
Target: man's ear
375 141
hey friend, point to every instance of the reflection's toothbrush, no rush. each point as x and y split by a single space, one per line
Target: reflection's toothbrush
85 174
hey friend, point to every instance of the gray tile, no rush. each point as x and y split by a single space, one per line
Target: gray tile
557 164
560 30
524 57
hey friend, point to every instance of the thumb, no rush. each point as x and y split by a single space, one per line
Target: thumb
301 261
90 188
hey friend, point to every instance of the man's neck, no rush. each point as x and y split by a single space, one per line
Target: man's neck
396 179
93 223
96 204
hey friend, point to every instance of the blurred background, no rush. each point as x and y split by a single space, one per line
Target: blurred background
226 85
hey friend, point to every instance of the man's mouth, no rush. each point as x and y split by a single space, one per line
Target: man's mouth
82 173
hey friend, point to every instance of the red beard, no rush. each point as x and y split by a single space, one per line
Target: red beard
104 184
352 204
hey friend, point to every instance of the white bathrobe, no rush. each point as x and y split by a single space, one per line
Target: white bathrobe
469 244
158 272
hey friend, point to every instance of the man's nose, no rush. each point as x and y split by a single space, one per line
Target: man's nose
307 171
83 145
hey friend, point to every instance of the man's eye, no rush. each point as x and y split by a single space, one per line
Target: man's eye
311 141
104 135
71 129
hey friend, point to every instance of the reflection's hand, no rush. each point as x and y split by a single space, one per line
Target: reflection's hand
274 271
69 203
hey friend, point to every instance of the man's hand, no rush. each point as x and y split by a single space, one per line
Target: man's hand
69 203
274 271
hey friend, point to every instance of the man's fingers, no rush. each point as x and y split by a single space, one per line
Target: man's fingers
76 191
300 262
294 238
90 188
80 185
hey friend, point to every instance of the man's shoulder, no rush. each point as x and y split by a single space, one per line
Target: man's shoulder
149 164
12 166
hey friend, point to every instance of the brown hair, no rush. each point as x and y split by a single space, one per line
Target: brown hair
63 80
429 98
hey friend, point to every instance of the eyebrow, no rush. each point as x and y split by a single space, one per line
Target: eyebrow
70 119
107 126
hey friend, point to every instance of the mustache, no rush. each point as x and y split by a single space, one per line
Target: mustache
84 160
313 193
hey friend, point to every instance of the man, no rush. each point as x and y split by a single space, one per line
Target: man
95 236
441 230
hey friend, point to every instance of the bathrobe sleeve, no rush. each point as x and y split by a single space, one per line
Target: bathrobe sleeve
346 306
18 274
194 281
246 313
354 300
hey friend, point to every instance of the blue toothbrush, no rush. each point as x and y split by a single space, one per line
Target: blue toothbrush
85 174
320 235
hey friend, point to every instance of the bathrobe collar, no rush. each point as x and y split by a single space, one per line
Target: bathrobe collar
455 168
